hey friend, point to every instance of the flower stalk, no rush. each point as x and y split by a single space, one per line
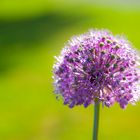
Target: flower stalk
96 120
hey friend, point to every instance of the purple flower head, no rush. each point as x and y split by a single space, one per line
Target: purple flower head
97 66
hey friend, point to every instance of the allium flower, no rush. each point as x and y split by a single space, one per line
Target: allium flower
97 66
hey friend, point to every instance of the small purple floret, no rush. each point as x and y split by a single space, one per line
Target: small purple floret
97 66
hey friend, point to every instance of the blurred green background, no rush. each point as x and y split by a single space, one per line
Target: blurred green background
32 32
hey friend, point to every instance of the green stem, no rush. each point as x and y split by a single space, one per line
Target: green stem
96 120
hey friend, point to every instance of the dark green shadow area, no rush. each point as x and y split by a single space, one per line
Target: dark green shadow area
34 30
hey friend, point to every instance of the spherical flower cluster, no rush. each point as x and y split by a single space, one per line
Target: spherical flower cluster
97 66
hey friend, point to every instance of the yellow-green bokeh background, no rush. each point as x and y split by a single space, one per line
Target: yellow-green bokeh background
32 32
